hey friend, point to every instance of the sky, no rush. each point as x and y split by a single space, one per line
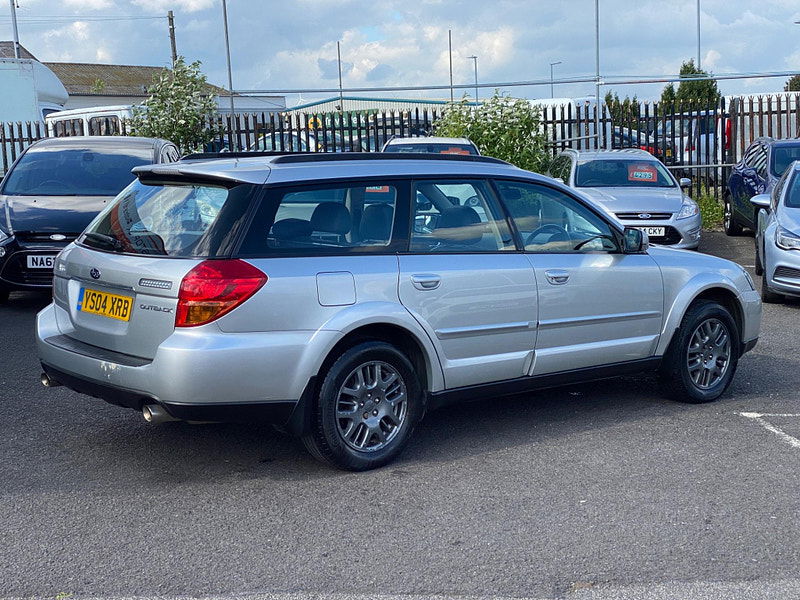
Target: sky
292 44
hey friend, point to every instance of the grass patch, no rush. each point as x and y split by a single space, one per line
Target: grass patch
711 208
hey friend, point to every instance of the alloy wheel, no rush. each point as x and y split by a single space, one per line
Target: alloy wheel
709 353
371 406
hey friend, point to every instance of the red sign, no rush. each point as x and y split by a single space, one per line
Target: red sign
454 151
642 173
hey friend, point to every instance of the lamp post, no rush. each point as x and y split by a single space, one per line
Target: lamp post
552 64
230 75
698 35
475 62
597 72
14 28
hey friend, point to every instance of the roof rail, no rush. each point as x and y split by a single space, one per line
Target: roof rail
285 159
223 155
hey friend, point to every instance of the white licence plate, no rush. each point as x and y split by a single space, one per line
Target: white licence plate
653 231
40 261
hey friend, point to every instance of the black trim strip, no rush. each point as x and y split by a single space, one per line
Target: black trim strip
530 383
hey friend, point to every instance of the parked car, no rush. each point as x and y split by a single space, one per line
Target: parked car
778 237
699 137
344 295
662 149
94 120
435 145
52 192
307 140
640 191
762 164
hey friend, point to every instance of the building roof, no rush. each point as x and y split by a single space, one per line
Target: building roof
81 79
357 103
7 51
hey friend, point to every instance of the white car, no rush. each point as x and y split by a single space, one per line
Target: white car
431 145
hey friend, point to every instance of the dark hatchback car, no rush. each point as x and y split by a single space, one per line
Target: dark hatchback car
52 192
761 167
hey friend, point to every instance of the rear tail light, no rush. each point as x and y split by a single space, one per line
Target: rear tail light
728 129
652 150
215 287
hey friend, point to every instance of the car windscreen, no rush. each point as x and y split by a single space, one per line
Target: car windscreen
432 148
75 171
792 197
782 157
622 173
178 220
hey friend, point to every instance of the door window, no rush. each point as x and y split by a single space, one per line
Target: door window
550 221
760 162
458 216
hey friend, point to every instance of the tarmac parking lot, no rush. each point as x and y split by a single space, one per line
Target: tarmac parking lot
602 490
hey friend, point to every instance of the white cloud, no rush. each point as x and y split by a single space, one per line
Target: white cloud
89 4
162 6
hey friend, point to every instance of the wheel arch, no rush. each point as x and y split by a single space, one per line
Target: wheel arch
724 294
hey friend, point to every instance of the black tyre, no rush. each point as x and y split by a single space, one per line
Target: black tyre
4 295
366 408
702 357
758 265
767 295
729 222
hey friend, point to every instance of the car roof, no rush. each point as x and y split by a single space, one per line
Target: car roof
98 141
430 140
284 168
611 154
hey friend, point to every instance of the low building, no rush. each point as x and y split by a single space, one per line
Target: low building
368 105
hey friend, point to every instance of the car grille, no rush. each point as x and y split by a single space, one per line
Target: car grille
786 273
39 238
629 216
15 270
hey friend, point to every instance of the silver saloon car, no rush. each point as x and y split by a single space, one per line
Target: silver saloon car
640 191
341 296
777 237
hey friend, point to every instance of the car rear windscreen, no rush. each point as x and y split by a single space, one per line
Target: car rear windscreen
178 220
622 173
782 157
432 148
53 171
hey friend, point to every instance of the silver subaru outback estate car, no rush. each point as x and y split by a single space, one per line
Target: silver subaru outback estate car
342 296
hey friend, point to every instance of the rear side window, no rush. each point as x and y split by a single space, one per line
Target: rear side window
353 217
183 221
782 157
54 171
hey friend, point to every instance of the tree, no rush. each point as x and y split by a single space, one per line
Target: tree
704 92
503 127
668 95
622 110
178 109
793 85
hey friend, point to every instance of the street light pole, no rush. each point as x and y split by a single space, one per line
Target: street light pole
230 74
475 61
698 35
450 50
552 64
597 72
14 28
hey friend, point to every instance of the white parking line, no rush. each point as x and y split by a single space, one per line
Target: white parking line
759 418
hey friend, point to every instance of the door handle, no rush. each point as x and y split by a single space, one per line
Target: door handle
426 281
557 276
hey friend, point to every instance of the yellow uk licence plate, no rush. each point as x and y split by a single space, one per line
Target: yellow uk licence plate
105 304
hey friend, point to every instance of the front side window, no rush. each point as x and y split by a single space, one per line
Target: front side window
60 171
457 216
622 173
324 219
792 197
550 221
180 220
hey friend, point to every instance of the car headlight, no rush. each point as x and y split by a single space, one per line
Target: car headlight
689 208
786 240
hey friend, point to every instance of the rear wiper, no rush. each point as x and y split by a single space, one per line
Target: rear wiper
104 239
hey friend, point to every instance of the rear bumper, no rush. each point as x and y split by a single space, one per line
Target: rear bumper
274 412
192 371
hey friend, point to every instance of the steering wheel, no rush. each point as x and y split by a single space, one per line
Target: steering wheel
472 201
559 234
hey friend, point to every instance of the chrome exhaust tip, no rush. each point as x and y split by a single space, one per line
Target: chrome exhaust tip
153 413
47 381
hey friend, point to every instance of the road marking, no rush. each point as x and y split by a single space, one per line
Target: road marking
759 418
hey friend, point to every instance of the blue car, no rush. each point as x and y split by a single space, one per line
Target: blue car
761 166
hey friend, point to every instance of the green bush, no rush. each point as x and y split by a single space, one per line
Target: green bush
711 208
502 127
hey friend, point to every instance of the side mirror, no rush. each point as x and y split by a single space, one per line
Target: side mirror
761 201
685 182
635 241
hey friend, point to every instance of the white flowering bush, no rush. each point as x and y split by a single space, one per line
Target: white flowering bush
178 109
503 127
